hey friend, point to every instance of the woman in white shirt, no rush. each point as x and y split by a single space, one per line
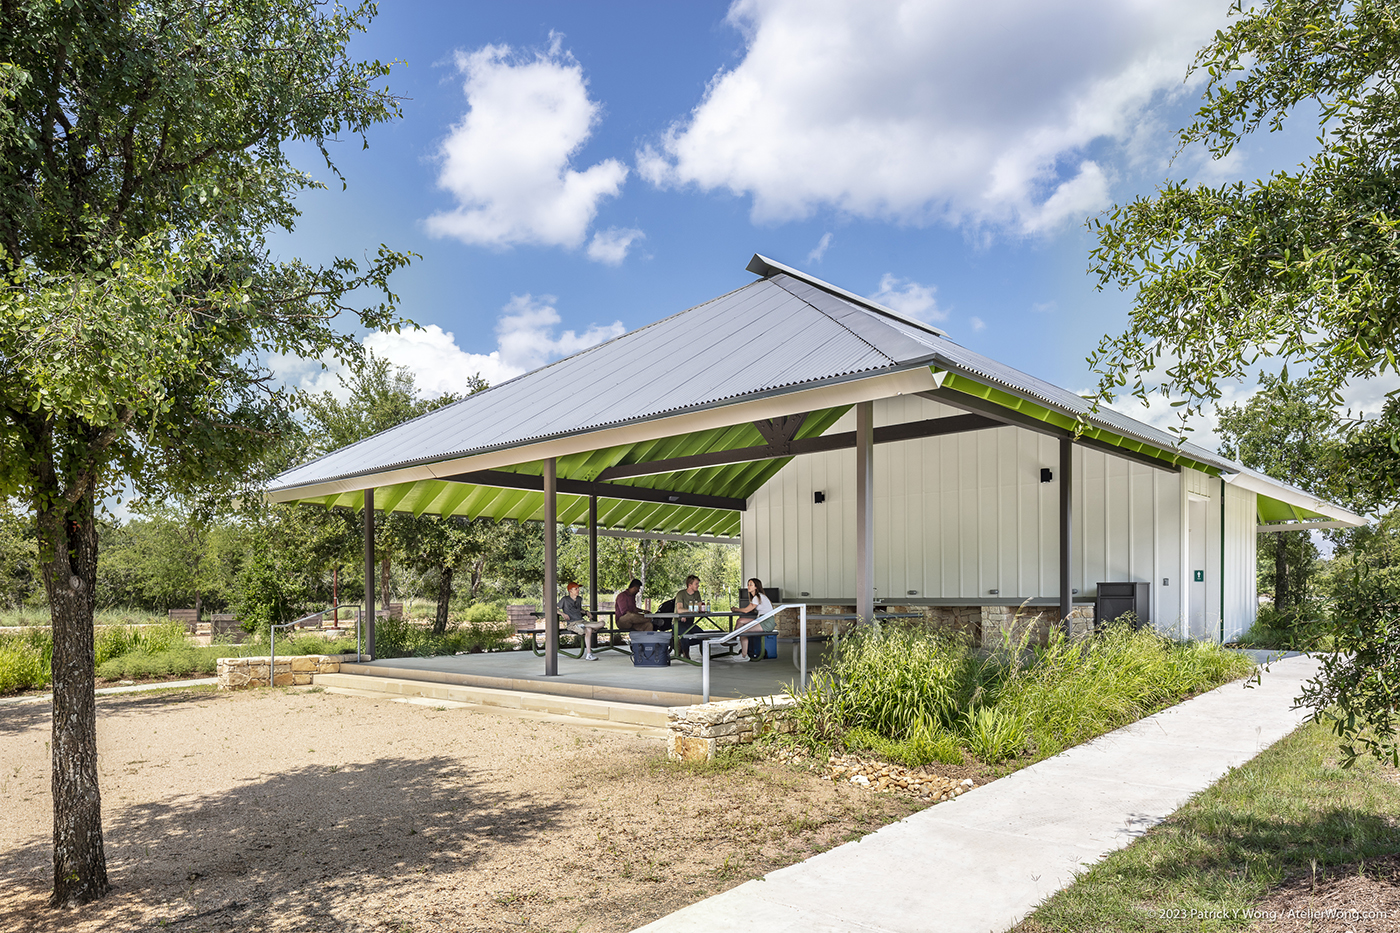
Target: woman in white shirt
759 604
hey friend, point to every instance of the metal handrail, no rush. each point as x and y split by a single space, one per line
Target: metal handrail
274 626
748 627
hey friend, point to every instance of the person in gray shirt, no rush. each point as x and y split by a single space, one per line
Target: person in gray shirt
577 620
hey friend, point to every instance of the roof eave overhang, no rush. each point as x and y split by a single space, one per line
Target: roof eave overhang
1304 507
910 378
1309 510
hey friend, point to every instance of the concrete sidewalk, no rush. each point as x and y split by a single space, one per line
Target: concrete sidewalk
984 861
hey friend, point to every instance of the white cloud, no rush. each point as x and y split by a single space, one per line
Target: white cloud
507 163
610 246
909 297
525 340
933 110
820 249
977 324
1045 307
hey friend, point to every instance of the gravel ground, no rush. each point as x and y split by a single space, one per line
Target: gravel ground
305 810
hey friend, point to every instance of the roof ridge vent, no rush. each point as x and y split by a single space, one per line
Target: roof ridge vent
762 265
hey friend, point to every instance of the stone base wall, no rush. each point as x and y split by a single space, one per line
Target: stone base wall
987 626
698 732
1014 623
292 670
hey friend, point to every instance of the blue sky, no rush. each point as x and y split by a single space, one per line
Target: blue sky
568 171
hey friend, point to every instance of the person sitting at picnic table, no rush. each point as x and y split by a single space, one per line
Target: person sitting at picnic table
577 620
751 649
629 617
688 600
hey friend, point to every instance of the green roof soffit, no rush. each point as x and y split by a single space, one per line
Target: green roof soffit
735 480
1063 421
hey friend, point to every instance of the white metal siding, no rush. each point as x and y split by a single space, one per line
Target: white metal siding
958 516
1241 561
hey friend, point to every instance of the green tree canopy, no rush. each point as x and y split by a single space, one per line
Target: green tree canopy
142 161
1303 265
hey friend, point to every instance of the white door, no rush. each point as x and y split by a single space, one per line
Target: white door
1196 567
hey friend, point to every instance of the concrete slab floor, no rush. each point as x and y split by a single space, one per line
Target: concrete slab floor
612 670
984 861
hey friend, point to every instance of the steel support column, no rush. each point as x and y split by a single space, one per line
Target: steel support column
370 569
551 571
865 511
593 555
1066 530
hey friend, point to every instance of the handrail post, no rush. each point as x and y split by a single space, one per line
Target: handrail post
802 644
705 669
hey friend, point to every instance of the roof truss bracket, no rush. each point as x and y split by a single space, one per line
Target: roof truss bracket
780 432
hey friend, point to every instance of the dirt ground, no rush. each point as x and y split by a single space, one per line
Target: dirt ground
1344 899
297 810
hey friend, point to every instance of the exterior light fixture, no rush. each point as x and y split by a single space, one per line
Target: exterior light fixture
818 497
1045 475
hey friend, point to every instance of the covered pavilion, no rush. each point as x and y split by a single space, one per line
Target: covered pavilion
988 474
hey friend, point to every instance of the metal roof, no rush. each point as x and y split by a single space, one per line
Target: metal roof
784 333
775 333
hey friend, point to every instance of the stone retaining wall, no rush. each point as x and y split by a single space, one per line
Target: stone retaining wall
292 670
698 732
985 625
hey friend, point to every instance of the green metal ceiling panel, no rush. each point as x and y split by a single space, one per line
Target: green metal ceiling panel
737 480
1272 510
1067 422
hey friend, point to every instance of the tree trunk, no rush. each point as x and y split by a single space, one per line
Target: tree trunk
198 607
68 548
384 580
477 569
1281 594
444 599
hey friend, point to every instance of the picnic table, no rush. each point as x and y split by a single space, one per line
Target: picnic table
696 634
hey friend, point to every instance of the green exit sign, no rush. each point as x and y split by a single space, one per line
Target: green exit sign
1200 576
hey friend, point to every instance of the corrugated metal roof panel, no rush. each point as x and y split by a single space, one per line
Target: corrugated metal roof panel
756 339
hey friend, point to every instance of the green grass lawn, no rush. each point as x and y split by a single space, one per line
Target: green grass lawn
1290 812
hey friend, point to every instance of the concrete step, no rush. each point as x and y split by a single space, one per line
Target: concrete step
593 712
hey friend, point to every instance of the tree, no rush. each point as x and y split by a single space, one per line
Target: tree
378 397
1302 266
170 558
442 545
1286 431
141 163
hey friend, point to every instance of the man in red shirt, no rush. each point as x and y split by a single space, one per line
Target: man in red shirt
629 617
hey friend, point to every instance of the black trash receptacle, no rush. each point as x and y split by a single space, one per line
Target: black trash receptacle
650 649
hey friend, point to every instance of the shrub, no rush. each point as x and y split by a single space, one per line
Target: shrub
914 697
486 613
174 662
1296 628
112 641
895 684
923 747
24 660
396 638
994 734
1073 691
